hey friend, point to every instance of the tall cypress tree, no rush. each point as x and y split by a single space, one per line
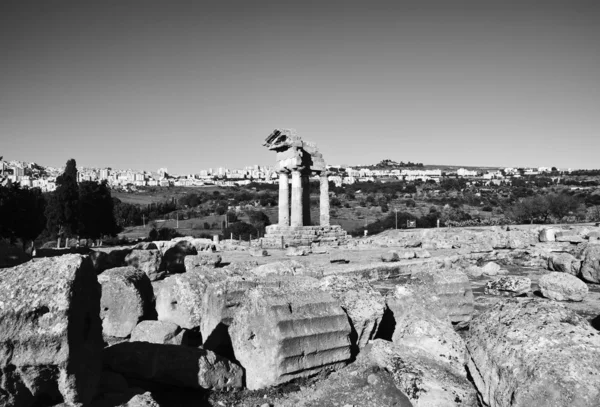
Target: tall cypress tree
62 212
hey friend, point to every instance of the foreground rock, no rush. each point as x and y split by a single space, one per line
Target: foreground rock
562 287
590 266
508 286
424 380
127 298
280 334
363 304
50 332
173 365
525 351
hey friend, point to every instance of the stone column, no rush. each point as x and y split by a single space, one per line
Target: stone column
297 213
284 199
324 207
306 200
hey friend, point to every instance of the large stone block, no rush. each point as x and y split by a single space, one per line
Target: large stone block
50 332
127 298
447 290
363 304
281 334
419 326
590 266
200 261
148 261
562 287
564 262
179 299
175 365
526 352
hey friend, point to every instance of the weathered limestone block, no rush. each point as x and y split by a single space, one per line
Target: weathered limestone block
50 332
179 299
148 261
548 235
296 251
181 366
418 326
200 261
562 287
258 252
220 302
157 332
389 257
425 381
590 266
127 298
564 262
105 258
286 268
524 351
363 304
508 286
448 290
173 257
281 334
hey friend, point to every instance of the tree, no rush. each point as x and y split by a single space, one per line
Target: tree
561 205
21 213
259 220
96 214
62 211
240 230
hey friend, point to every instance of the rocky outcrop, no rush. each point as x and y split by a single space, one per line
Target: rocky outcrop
157 332
562 287
363 304
179 299
425 381
590 266
50 332
280 334
148 261
180 366
127 298
508 286
564 262
524 351
447 290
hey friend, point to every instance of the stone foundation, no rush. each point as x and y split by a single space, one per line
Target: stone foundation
303 236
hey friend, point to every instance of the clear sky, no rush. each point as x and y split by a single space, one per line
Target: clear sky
195 84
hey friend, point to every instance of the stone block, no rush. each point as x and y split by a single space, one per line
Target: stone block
523 352
181 366
127 298
50 332
282 334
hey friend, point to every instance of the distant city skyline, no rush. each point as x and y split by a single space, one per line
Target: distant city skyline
193 85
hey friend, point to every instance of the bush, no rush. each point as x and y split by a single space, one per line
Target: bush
206 225
487 208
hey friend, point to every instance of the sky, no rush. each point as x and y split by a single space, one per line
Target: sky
189 85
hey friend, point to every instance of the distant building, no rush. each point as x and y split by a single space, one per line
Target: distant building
462 172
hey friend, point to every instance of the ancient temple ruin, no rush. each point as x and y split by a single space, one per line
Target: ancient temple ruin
299 160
